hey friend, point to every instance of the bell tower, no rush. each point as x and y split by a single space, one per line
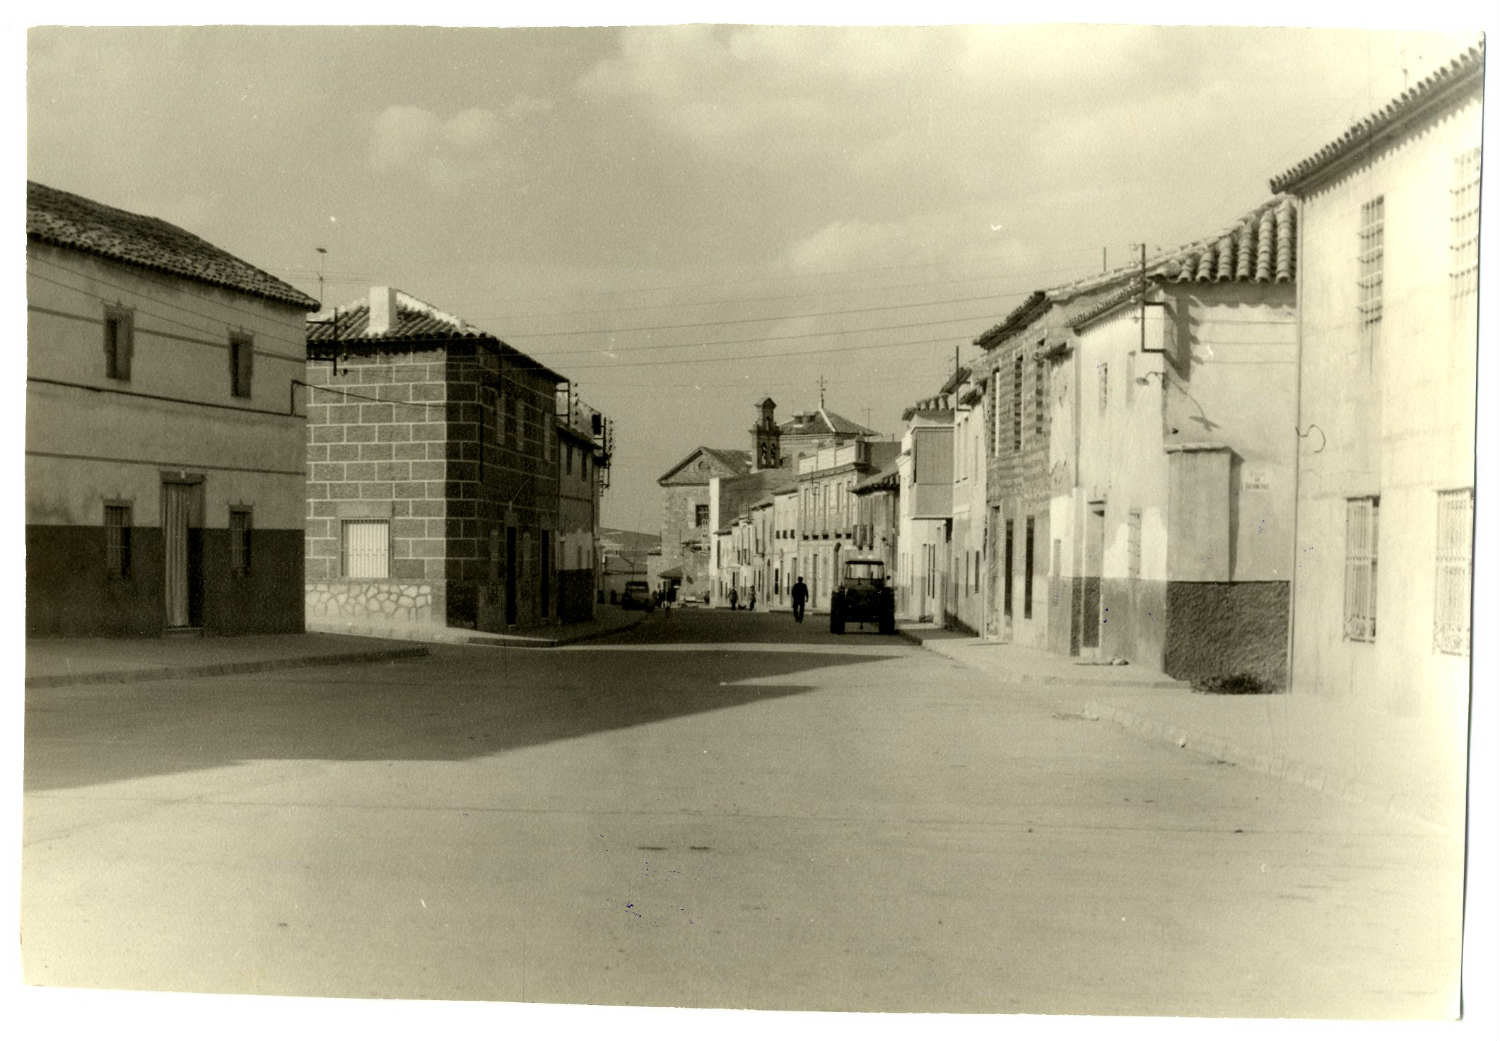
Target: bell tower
765 438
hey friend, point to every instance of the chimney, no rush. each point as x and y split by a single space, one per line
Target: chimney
382 310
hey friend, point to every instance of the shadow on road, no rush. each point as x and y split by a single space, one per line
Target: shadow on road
461 703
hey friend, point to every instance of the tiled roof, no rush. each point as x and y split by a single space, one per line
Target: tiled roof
1462 73
64 219
415 320
1019 318
823 422
1260 247
959 376
884 479
737 459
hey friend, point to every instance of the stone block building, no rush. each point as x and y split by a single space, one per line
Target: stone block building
433 486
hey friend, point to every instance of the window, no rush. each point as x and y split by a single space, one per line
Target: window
119 342
1361 540
241 362
1010 566
1039 395
510 417
239 541
700 514
1103 387
1030 556
1455 570
1133 544
366 549
1464 270
1371 272
568 456
1017 378
117 540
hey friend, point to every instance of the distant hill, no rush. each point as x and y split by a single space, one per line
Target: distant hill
630 541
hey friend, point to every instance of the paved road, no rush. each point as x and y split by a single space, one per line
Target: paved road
713 810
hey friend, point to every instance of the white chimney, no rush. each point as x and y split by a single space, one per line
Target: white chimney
382 310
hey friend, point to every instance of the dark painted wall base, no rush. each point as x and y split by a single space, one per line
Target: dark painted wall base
68 592
575 595
1224 628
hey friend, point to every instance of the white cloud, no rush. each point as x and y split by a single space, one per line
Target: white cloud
447 152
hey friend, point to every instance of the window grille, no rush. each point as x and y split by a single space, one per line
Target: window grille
117 541
1016 392
239 542
1464 271
1361 543
1040 396
1371 272
366 549
1103 386
1455 571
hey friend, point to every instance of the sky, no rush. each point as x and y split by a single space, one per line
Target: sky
684 219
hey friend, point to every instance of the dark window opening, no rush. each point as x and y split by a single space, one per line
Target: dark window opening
117 541
119 343
239 542
241 363
1030 551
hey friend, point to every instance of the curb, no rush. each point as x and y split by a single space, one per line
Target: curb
1293 771
174 672
1048 679
481 639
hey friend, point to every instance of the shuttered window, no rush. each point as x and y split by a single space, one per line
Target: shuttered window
1455 571
366 549
119 342
1361 542
241 364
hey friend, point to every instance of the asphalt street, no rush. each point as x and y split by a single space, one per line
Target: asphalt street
717 810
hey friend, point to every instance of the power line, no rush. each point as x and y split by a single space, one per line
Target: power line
777 317
966 320
754 357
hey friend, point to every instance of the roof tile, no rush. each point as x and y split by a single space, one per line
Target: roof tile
69 220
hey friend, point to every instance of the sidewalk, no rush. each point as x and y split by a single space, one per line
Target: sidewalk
1411 767
66 662
608 620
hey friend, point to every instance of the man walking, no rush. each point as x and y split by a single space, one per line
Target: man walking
799 598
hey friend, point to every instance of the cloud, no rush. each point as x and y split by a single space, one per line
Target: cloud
447 152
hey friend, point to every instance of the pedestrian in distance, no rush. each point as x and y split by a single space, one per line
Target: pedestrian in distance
752 598
734 599
799 599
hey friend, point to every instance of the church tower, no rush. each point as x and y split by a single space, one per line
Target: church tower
765 438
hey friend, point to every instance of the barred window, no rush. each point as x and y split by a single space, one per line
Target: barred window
117 541
366 549
1103 386
239 541
1371 272
1464 271
1040 396
1016 394
1361 543
1455 570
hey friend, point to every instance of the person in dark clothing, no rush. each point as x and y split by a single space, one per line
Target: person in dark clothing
734 599
799 599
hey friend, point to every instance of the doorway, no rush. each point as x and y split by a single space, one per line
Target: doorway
182 552
1093 568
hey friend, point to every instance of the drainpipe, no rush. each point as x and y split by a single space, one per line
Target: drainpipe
1291 604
